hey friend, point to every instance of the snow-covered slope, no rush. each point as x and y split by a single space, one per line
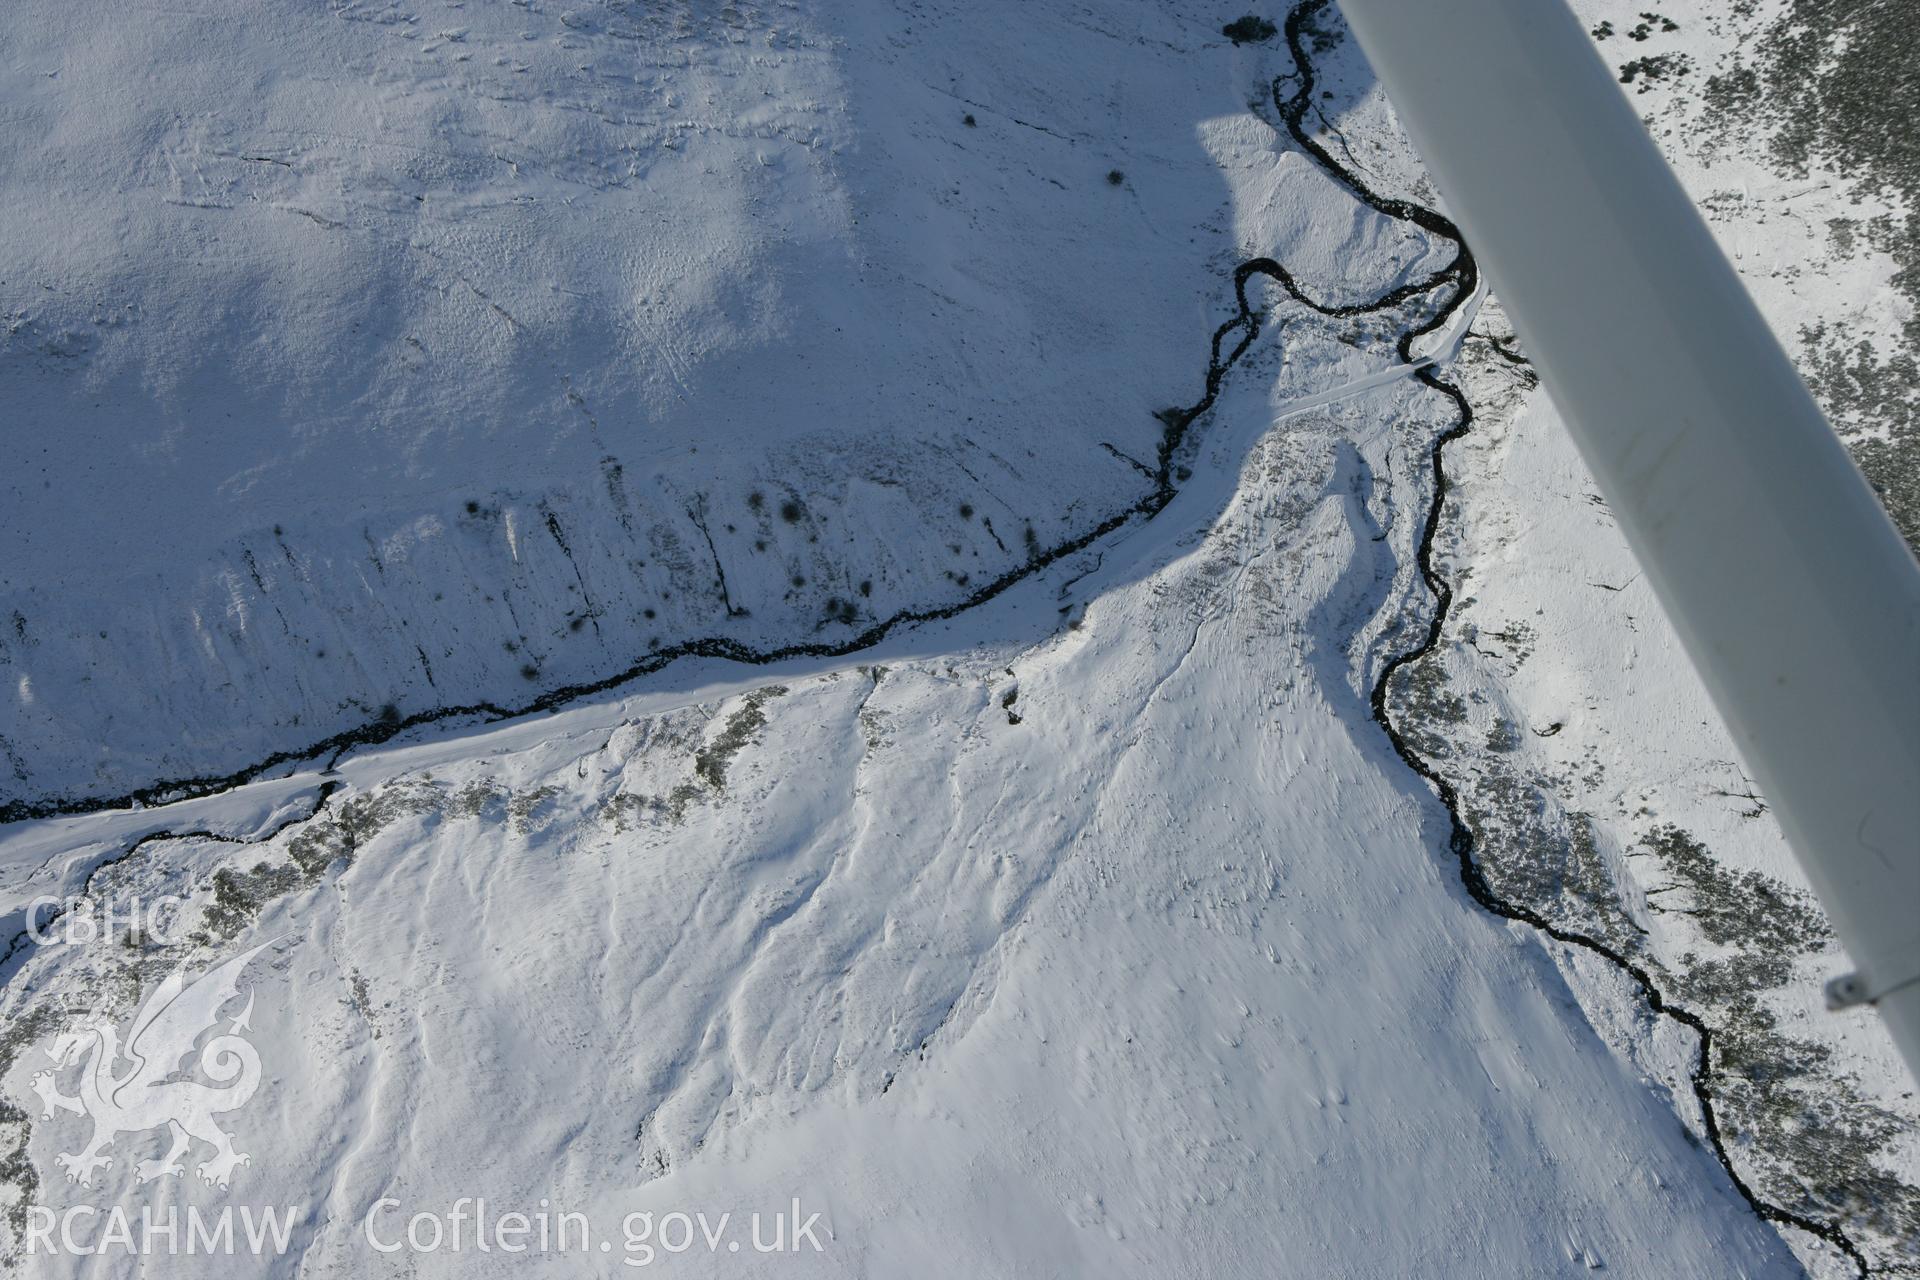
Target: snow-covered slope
1602 790
363 360
1172 976
1098 927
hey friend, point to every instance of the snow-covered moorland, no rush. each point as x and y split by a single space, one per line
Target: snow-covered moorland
375 359
1104 922
1169 976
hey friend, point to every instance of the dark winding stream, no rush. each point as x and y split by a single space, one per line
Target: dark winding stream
1463 275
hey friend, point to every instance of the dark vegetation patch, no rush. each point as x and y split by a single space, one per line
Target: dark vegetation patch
238 897
712 761
1251 29
1655 68
1875 403
1814 1140
1837 82
1550 861
1428 707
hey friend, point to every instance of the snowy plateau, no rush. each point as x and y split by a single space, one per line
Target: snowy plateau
959 626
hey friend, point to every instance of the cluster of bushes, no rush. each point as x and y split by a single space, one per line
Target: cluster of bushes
1249 30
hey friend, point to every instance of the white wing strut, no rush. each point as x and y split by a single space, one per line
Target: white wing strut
1795 598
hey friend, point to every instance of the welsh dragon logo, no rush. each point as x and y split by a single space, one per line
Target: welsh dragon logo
152 1091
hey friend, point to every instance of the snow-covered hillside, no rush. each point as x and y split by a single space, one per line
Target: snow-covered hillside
1064 896
364 360
1600 785
1169 977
